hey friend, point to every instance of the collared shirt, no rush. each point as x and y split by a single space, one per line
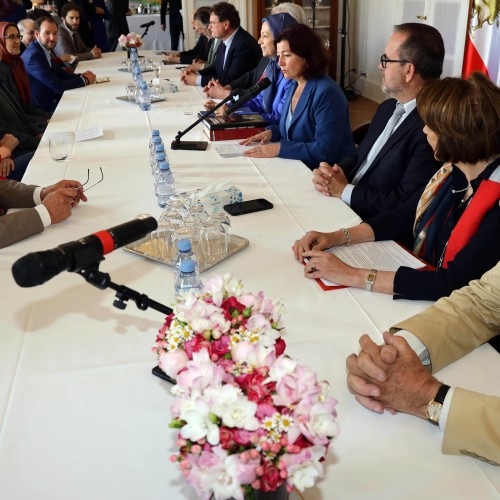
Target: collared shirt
42 211
409 107
48 54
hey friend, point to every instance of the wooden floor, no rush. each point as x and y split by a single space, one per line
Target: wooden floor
361 111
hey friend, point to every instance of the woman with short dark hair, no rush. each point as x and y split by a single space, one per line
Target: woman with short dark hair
455 222
314 124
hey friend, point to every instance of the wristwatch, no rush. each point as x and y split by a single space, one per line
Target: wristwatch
435 406
370 280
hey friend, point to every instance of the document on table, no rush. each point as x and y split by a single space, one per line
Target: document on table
230 149
80 135
380 255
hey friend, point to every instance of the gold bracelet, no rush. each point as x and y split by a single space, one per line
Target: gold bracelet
347 235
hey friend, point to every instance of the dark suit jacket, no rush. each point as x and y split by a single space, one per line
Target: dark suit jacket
319 129
403 166
243 55
47 83
66 45
199 51
246 80
19 225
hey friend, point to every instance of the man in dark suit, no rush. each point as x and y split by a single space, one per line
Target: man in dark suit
46 206
174 21
238 53
48 80
389 167
69 40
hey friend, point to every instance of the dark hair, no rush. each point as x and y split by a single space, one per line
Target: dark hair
226 12
37 13
423 47
44 19
67 7
202 14
305 43
464 115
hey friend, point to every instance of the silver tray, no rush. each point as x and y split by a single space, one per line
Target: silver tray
148 249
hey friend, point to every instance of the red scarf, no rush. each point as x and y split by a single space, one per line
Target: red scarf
16 65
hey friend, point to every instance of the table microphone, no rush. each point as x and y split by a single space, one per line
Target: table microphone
246 95
38 267
147 25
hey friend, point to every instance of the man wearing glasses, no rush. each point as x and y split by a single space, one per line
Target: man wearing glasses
238 53
394 160
27 29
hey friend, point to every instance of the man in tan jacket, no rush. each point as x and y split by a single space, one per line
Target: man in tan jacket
393 376
48 205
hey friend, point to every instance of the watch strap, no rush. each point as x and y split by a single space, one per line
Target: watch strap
441 393
370 280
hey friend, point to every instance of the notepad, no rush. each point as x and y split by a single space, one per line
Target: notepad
230 149
80 135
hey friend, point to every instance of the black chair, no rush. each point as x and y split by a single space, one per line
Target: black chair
359 133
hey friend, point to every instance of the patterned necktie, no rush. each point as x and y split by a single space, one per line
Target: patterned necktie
380 142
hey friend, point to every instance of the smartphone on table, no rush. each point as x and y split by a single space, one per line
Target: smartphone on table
248 207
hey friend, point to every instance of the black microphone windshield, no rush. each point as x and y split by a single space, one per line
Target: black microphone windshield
246 95
36 268
147 25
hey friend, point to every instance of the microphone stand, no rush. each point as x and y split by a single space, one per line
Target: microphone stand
198 145
145 31
101 280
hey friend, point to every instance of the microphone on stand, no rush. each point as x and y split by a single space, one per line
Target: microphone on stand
147 25
38 267
246 95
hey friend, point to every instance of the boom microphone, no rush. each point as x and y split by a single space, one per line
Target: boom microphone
147 25
248 94
38 267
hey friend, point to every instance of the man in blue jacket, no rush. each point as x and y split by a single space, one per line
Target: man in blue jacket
47 79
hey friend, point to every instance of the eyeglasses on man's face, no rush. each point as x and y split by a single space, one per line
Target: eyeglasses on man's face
211 23
384 60
14 36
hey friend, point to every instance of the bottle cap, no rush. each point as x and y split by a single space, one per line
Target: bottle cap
160 157
137 70
163 165
184 245
155 132
159 148
187 266
143 84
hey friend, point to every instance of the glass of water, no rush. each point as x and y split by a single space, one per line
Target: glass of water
58 147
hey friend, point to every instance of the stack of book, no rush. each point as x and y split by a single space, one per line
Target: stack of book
229 128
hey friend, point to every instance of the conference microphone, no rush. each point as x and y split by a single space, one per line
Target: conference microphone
38 267
147 25
248 94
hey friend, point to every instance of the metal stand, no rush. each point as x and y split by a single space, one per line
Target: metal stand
102 281
343 35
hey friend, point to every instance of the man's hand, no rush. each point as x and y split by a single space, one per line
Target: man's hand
90 76
59 204
162 27
96 52
10 142
390 377
6 167
67 58
329 180
188 78
77 190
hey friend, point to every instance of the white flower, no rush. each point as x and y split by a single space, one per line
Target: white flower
253 354
198 423
281 367
232 285
304 468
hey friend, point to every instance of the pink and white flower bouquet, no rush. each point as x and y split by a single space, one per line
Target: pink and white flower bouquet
130 41
217 320
259 421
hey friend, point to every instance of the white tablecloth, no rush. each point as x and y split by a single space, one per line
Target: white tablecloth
81 415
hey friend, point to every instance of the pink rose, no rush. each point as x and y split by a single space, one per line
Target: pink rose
197 344
280 346
226 438
221 346
172 362
271 479
242 437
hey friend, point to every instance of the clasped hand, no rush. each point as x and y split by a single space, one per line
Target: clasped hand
330 180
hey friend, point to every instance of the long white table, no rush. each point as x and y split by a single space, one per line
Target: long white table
81 415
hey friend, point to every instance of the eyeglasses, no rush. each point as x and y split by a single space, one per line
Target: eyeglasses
384 60
211 23
13 37
88 178
28 32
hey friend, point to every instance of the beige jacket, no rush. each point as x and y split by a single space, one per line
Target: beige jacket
450 329
19 225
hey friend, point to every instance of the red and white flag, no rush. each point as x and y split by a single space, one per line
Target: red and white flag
482 47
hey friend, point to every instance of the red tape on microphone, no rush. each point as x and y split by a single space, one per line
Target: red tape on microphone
108 243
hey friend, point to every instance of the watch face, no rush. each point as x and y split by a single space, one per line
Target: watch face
434 411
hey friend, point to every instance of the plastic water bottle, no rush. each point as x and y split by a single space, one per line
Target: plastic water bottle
153 162
137 75
144 96
184 252
164 183
133 55
188 279
154 133
155 165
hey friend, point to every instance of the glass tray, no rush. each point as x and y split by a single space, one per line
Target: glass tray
146 248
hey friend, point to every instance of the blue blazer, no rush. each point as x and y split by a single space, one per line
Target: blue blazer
47 84
403 166
319 129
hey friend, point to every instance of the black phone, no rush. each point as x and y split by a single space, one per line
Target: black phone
248 207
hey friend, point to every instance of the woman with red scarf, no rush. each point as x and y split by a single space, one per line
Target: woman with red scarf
454 222
17 115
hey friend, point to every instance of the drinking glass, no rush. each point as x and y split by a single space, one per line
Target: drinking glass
58 147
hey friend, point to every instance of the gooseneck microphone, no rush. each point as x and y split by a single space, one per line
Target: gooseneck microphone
38 267
147 25
246 95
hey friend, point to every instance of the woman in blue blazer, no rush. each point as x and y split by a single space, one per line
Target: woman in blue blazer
315 120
